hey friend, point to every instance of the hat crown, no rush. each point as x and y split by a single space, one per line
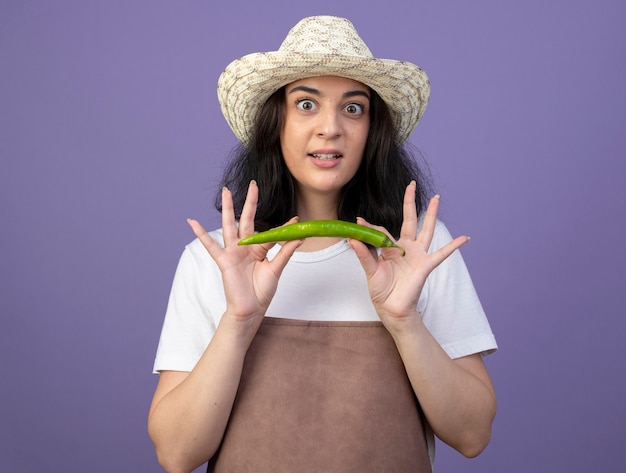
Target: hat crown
325 35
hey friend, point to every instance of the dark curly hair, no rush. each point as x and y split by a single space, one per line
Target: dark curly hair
376 191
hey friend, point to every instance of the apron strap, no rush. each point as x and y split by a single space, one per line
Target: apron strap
323 397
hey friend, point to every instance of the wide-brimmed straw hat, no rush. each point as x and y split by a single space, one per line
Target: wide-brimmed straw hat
320 46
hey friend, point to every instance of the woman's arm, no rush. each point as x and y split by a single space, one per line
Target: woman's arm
189 411
457 396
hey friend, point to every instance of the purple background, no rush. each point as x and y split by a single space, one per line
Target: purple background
111 136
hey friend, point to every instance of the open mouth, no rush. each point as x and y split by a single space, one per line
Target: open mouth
326 157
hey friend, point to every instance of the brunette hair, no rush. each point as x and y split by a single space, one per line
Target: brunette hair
376 191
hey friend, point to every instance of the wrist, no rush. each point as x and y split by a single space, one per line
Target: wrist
403 326
241 329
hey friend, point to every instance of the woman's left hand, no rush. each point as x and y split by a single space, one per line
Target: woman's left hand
395 281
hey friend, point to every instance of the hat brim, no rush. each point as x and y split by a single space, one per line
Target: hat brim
247 83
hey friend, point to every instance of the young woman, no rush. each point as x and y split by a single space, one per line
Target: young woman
322 354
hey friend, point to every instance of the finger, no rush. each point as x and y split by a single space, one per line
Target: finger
409 212
362 221
228 217
208 242
260 250
267 246
197 227
281 258
365 256
425 236
246 222
385 253
444 252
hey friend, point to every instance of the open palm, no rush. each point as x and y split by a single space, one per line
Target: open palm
250 279
395 281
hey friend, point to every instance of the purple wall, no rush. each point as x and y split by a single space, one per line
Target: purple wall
110 136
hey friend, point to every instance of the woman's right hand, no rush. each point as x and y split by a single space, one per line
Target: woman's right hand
250 279
190 410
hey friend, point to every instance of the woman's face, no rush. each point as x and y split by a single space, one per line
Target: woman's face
326 124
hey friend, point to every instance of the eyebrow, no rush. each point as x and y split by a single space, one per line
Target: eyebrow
312 91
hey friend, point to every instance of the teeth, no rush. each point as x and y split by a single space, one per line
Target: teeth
326 157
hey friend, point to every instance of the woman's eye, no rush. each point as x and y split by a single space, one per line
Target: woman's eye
306 105
354 109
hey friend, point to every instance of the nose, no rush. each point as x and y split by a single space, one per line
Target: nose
329 124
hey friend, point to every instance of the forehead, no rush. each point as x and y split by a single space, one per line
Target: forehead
328 82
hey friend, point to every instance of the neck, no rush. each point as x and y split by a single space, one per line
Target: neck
317 207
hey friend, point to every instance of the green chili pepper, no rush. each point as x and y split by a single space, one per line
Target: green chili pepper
323 228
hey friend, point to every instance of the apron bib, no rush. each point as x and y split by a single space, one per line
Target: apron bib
324 397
